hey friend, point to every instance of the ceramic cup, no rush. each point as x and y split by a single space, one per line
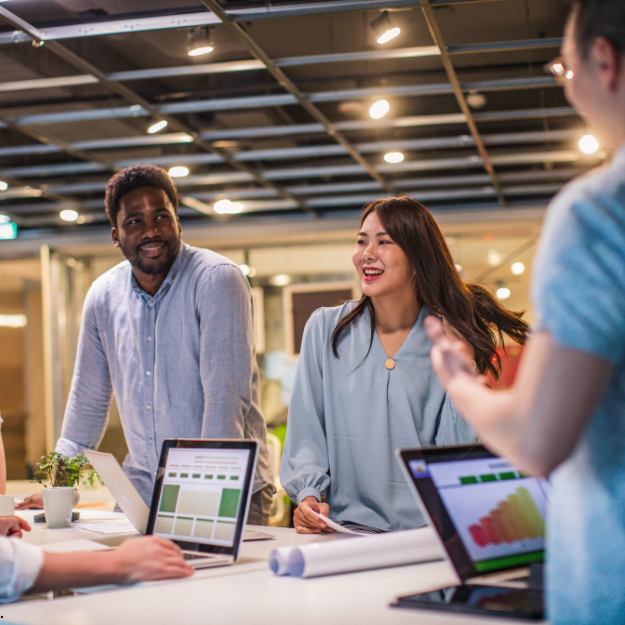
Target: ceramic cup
7 505
58 503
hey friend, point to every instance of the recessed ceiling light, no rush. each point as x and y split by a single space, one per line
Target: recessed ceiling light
68 215
588 144
13 321
503 292
226 207
8 231
379 109
3 185
494 257
393 157
179 171
157 126
517 268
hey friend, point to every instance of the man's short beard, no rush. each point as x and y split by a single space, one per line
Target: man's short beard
153 268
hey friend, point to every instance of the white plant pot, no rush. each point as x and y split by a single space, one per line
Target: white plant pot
58 502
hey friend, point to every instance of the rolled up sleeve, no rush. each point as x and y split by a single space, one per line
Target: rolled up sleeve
20 566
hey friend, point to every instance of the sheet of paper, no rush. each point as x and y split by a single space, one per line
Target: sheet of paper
105 526
335 526
82 544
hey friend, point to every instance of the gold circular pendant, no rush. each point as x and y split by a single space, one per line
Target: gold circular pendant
390 364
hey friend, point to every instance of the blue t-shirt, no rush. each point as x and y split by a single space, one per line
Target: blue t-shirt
579 296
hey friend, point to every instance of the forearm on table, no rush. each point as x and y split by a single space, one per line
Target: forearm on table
66 570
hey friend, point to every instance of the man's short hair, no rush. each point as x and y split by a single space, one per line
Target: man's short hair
132 178
599 18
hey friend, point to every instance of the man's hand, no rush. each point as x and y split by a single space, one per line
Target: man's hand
306 522
33 502
149 558
13 526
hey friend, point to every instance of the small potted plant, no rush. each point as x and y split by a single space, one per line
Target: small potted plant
65 475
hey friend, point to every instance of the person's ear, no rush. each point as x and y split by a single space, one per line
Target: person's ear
608 62
115 236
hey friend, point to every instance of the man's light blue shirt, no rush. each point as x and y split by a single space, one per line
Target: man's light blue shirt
181 363
579 297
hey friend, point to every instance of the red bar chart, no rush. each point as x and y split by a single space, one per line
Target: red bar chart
515 518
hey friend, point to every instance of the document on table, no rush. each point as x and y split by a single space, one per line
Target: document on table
335 526
105 526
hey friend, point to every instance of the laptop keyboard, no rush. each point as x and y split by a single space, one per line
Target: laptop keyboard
195 556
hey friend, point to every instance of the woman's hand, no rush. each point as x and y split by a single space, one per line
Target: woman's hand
32 502
13 526
306 522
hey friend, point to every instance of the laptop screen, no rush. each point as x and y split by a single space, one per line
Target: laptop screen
489 515
201 494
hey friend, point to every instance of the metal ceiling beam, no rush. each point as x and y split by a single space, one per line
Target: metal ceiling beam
313 151
254 64
286 83
191 20
165 111
136 100
459 94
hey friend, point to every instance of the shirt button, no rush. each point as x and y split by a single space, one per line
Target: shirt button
150 303
148 407
149 338
148 373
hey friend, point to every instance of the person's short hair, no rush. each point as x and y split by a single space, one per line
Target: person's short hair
599 18
132 178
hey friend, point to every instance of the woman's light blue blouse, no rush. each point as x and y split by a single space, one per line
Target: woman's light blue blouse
348 415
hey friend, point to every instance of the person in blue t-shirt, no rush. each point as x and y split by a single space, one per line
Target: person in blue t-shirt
565 415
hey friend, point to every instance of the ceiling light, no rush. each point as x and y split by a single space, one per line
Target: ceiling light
476 100
517 268
3 185
393 157
180 171
281 279
199 41
157 126
8 231
68 215
459 268
503 292
588 144
248 271
494 257
12 321
384 28
5 219
226 207
379 109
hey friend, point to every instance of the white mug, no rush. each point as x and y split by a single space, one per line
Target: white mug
58 502
7 505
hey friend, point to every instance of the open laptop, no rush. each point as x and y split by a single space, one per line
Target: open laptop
490 520
201 496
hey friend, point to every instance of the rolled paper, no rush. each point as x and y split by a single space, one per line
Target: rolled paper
278 560
361 554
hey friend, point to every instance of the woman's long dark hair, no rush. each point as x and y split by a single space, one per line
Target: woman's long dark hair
471 309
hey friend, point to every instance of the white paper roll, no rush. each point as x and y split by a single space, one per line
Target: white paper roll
278 560
357 554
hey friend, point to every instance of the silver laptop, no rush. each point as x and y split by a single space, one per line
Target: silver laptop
201 496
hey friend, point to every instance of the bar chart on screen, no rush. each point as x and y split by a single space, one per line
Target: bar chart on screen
515 518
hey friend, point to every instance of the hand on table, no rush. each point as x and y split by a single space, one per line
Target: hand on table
32 502
149 558
306 522
449 356
13 526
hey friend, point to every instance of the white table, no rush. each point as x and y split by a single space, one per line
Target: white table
245 593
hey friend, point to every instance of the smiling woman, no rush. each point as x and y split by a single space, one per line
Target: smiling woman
364 384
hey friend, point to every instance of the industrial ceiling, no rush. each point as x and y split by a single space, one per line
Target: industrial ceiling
276 118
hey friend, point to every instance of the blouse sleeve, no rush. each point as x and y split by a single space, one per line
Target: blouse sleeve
305 466
452 428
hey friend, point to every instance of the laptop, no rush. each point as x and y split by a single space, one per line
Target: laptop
200 500
490 520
